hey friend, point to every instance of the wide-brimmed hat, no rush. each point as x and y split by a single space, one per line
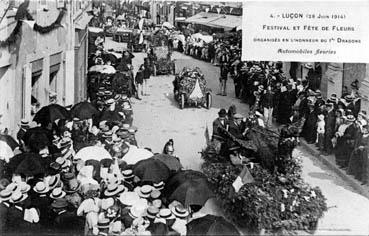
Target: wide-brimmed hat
63 162
166 214
157 203
144 191
12 187
57 193
363 114
114 189
152 212
103 223
73 186
128 174
5 195
129 198
54 181
138 209
179 211
349 98
159 186
132 129
24 187
155 194
18 196
59 203
350 118
41 188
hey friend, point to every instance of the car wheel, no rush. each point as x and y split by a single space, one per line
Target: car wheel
208 100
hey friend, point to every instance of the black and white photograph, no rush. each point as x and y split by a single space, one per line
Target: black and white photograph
155 117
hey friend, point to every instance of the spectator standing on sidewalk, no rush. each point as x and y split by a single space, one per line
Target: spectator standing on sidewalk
267 104
330 123
224 70
320 132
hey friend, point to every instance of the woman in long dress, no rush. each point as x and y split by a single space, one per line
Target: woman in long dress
358 164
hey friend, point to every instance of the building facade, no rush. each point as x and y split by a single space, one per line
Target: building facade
37 65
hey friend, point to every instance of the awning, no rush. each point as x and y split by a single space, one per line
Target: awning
227 22
203 18
83 21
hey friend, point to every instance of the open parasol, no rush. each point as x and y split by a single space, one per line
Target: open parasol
84 110
96 68
92 153
9 140
151 171
173 163
51 113
211 225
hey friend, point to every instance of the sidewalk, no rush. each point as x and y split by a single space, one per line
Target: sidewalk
330 162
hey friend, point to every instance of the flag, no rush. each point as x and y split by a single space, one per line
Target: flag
207 135
218 10
243 178
31 23
141 38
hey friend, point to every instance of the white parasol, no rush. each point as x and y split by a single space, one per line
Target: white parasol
108 69
92 153
96 68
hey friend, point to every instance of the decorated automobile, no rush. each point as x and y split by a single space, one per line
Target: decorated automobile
190 89
161 57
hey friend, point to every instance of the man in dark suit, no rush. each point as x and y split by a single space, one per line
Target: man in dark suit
220 122
330 123
236 127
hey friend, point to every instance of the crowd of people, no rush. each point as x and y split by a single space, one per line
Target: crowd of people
336 125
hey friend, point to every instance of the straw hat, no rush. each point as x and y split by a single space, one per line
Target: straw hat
18 196
144 191
24 124
114 189
155 194
57 193
152 212
166 214
103 223
5 195
138 209
54 181
159 186
350 118
179 211
41 188
129 198
24 187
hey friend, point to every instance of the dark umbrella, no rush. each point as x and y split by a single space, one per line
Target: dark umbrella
51 113
31 166
109 57
179 178
28 164
192 192
211 225
84 110
151 170
171 162
111 116
37 137
9 140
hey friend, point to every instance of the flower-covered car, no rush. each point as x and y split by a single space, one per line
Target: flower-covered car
190 88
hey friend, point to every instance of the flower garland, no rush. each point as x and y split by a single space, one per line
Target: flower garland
15 34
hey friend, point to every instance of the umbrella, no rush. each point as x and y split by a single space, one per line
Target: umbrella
108 70
84 110
31 165
110 116
96 68
179 178
9 140
192 192
37 136
135 155
92 153
171 162
211 225
151 170
5 151
109 57
51 113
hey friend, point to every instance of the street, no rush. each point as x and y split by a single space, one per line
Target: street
159 119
